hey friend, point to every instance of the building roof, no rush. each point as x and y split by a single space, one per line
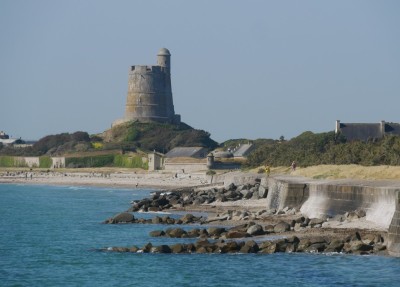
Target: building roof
185 152
243 150
8 141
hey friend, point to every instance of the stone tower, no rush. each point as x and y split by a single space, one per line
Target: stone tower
149 96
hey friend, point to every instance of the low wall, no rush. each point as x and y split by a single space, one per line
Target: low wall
186 167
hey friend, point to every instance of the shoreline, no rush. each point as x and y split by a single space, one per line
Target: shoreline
186 183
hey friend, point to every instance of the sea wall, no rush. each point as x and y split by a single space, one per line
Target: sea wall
394 229
380 201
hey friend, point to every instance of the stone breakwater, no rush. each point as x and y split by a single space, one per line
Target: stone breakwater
353 244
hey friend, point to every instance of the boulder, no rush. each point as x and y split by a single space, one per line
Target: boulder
156 220
262 192
161 249
316 248
269 228
177 248
123 217
236 234
133 249
215 231
255 230
188 218
249 247
268 247
281 227
303 245
157 233
336 245
316 221
175 232
228 247
193 233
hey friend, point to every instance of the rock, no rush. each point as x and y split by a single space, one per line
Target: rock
255 196
133 249
316 248
229 247
249 247
146 248
215 231
246 193
281 245
157 233
368 239
335 245
339 218
268 248
352 215
360 213
359 246
255 230
303 245
187 218
175 232
123 217
298 227
262 192
236 234
315 221
156 220
161 249
281 227
269 228
193 233
177 248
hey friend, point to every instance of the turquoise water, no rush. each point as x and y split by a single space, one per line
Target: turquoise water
49 236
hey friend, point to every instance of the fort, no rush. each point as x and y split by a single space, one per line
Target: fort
149 97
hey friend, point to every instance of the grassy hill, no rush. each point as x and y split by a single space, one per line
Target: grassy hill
155 136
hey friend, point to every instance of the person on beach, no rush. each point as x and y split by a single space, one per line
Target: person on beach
267 170
293 166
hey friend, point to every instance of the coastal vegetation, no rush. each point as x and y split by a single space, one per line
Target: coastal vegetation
310 149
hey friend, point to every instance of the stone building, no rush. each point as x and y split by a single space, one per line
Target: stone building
149 96
366 131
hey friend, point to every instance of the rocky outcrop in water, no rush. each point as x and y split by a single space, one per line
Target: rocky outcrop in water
355 244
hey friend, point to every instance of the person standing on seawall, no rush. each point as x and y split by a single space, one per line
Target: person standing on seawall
293 166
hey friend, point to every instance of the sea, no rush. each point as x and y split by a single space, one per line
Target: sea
51 236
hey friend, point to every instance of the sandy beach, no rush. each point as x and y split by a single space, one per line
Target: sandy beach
105 177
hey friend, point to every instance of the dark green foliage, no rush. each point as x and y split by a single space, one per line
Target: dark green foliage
327 148
157 136
60 143
89 161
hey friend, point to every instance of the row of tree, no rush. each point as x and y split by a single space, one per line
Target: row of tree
327 148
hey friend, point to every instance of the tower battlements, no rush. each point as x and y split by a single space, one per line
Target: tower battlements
149 97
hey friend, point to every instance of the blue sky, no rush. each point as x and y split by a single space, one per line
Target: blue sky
240 69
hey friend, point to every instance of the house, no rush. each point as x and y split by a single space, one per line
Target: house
193 152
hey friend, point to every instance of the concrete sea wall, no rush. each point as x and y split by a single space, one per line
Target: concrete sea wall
315 198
